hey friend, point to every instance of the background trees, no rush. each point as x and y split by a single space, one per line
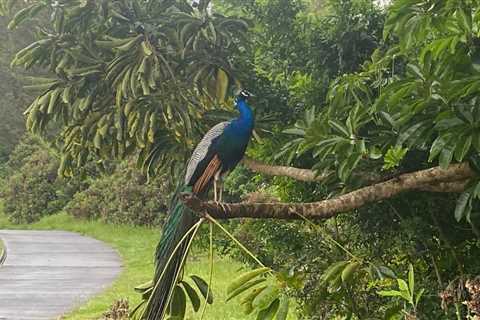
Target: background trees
358 94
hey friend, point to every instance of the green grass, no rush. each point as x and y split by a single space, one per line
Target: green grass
136 246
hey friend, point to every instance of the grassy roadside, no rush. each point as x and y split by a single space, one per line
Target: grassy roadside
136 246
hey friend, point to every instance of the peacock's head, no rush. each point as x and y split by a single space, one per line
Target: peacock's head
243 95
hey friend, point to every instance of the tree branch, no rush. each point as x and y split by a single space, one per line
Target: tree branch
328 208
446 187
308 175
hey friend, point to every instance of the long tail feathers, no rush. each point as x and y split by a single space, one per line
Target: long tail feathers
180 220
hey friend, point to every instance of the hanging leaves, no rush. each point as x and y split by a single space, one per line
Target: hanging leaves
260 293
122 85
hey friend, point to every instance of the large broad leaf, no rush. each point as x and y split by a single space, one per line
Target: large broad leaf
221 85
244 288
349 271
283 308
192 295
266 297
405 135
339 128
446 155
437 146
205 290
269 313
411 278
178 304
244 278
402 285
419 296
463 204
463 146
333 271
348 165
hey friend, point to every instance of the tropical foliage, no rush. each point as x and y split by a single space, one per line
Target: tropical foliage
126 76
123 196
32 189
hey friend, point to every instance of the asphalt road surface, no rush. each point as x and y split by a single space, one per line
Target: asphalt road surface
48 273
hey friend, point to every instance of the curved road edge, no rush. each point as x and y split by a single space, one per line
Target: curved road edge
3 253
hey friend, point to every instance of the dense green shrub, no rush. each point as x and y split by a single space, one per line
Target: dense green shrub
122 197
20 155
32 188
31 192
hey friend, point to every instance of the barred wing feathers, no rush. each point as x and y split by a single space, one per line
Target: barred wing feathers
203 154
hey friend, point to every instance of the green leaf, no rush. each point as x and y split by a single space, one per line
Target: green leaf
202 285
392 312
385 271
244 288
437 147
465 19
388 118
24 14
403 137
402 285
333 271
449 123
283 308
266 297
192 295
476 191
221 85
402 92
416 70
244 278
389 293
269 313
476 141
138 308
419 296
144 286
462 203
335 285
375 153
474 162
462 148
446 156
411 278
295 131
394 157
348 165
349 270
179 303
339 128
248 299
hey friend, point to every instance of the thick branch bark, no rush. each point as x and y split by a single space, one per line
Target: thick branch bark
328 208
308 175
446 187
292 172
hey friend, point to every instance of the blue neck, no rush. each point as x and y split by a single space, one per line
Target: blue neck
245 120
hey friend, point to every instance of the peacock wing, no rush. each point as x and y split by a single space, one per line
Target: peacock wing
204 160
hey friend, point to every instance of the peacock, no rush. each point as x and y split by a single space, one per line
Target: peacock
219 151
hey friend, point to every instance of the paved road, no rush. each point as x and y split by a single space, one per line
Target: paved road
48 273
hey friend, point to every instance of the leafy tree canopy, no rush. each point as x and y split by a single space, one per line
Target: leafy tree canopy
127 76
